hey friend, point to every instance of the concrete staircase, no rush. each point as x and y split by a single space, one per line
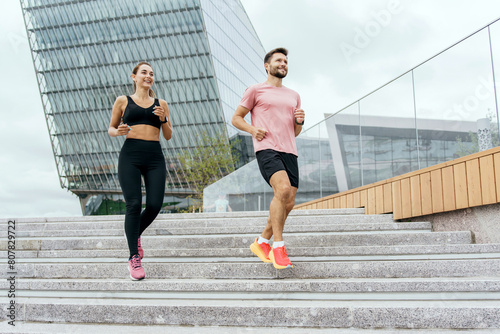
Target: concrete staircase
353 274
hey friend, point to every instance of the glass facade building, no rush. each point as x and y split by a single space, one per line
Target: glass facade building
204 54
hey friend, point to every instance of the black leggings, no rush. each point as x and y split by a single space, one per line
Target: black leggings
141 157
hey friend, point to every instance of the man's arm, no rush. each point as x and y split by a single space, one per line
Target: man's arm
239 122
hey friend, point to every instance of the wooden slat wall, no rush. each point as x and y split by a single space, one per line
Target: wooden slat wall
487 174
448 188
460 180
437 191
473 183
496 159
466 182
387 198
397 203
426 193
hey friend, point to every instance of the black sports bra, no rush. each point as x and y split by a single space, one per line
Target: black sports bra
135 114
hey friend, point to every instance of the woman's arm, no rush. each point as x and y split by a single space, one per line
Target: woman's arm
163 112
116 129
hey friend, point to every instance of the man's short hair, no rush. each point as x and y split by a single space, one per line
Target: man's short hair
269 55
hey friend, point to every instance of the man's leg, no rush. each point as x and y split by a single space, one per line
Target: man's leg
268 230
280 205
291 201
278 211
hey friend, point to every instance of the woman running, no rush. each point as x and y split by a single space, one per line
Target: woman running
140 117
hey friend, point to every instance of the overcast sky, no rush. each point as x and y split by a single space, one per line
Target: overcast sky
330 65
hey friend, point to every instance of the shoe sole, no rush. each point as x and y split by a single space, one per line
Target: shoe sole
257 251
277 266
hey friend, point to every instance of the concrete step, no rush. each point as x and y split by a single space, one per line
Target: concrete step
398 250
64 328
193 216
115 229
291 313
249 257
353 273
264 296
91 223
350 288
256 270
318 239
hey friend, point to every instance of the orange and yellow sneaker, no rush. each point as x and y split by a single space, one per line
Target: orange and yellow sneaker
261 250
279 258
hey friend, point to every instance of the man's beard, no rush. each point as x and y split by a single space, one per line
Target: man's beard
276 73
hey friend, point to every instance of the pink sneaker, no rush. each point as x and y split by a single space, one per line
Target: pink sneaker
139 248
135 268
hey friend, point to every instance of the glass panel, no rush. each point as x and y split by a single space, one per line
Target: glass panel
454 99
344 143
241 194
308 149
328 182
387 121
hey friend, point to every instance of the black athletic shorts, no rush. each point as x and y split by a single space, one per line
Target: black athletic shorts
271 161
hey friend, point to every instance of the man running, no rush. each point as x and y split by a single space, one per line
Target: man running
276 120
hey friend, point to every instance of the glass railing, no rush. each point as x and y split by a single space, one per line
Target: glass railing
442 109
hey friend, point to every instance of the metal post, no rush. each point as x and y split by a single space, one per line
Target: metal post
360 145
415 114
494 82
319 165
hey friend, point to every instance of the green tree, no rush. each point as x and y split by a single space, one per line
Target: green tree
211 160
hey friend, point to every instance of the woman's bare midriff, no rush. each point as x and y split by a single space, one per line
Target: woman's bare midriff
144 132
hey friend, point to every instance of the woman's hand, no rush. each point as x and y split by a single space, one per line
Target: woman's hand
160 112
122 130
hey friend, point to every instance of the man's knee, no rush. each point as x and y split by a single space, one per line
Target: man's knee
283 191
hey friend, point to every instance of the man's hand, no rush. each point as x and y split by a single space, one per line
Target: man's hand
259 133
299 115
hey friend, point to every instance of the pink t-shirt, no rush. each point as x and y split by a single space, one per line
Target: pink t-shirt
272 108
